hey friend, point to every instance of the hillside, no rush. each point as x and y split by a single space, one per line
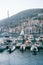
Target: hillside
22 16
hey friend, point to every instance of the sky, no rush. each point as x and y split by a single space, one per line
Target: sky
15 6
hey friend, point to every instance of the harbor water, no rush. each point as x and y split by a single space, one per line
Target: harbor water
19 58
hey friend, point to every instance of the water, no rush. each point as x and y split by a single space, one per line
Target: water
19 58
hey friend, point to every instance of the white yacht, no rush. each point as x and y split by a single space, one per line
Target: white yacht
33 48
38 44
20 38
11 48
37 39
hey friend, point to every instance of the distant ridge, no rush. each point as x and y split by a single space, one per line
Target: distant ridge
23 16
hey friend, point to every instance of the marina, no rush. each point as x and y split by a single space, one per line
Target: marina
23 49
22 42
21 36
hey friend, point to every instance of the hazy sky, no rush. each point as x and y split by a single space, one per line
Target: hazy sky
15 6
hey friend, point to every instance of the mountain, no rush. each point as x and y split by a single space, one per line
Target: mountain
22 16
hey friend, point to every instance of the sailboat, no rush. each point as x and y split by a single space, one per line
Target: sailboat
20 38
22 32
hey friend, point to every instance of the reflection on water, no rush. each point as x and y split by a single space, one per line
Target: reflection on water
19 58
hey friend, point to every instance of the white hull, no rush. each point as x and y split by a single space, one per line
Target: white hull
34 48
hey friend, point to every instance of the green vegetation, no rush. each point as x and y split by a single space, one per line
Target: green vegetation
22 16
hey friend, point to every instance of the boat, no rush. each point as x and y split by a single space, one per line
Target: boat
2 48
18 44
33 48
23 47
21 35
11 48
31 37
5 34
38 44
22 32
20 38
27 43
41 38
37 39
